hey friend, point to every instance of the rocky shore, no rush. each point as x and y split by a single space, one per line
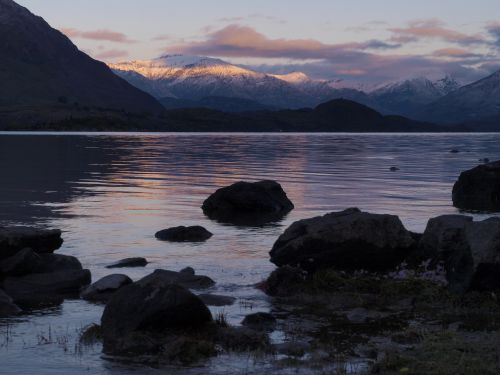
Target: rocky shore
351 289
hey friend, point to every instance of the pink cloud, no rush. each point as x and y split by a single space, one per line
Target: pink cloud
454 53
102 35
244 41
434 29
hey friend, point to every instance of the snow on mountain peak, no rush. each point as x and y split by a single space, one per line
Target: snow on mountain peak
293 78
185 61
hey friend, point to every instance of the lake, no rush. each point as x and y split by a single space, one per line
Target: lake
110 193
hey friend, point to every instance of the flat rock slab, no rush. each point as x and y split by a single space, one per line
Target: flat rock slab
260 321
164 277
248 203
217 300
184 234
41 241
46 287
103 289
129 263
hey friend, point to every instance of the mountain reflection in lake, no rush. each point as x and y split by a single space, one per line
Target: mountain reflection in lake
110 193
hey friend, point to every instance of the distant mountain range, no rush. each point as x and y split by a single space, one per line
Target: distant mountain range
39 66
187 81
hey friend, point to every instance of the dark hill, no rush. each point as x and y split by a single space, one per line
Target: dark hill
39 66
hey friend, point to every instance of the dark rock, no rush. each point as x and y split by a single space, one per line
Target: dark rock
461 245
479 188
248 203
41 241
188 270
46 287
103 289
7 306
394 169
27 262
260 321
284 281
22 263
187 280
217 300
57 262
184 234
149 307
486 278
349 240
129 263
454 151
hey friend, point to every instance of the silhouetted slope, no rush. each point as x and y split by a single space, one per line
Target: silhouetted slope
39 66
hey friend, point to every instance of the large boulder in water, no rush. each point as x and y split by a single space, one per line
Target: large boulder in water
149 308
248 203
349 240
41 241
479 188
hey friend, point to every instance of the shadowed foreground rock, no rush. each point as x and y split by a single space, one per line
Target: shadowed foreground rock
103 289
184 234
149 307
479 188
44 288
349 240
41 241
248 203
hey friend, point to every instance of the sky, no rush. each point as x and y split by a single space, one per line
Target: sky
365 41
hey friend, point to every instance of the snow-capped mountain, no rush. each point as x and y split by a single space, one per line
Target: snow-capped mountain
194 78
408 97
476 102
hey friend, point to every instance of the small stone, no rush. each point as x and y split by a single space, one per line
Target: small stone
184 234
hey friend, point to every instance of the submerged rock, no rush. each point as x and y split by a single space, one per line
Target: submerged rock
129 263
478 188
103 289
184 234
41 241
248 203
149 308
349 240
187 280
7 306
217 300
43 288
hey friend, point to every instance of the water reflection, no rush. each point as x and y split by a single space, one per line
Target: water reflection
111 193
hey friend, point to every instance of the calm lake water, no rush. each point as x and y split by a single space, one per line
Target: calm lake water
110 193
